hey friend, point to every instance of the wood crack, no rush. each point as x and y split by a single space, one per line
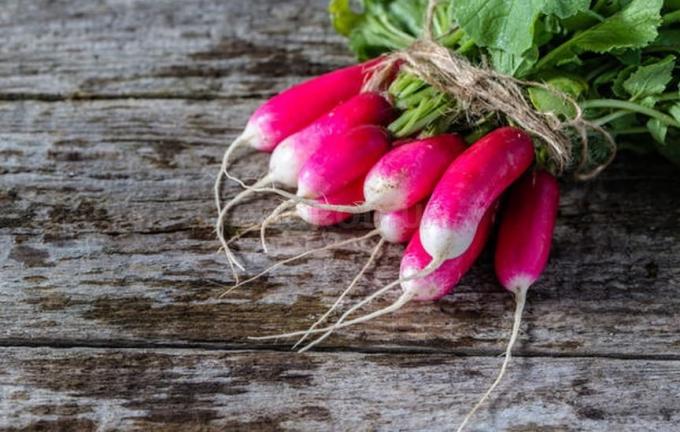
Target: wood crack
396 351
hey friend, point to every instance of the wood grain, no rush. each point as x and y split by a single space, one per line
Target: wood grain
108 216
187 390
113 117
198 49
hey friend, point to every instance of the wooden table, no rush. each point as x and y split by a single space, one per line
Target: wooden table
113 118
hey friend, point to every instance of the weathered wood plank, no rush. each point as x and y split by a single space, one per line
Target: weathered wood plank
106 235
87 390
150 48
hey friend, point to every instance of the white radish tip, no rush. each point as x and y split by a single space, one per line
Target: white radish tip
445 241
423 290
390 229
519 282
283 165
383 194
253 135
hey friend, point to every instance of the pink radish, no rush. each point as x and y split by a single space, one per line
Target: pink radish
409 173
523 247
435 284
289 112
301 104
405 175
340 162
442 281
399 226
351 194
334 166
290 156
469 187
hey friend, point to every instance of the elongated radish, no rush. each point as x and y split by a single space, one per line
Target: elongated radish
295 108
341 161
468 188
400 225
442 281
334 166
290 156
409 173
287 113
524 241
403 176
436 283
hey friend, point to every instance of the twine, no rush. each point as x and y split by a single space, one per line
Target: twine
481 92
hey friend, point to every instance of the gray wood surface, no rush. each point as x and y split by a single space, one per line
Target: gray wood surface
170 389
113 118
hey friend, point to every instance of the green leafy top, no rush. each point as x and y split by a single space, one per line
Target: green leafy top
617 58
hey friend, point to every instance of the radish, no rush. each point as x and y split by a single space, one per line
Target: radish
298 106
404 176
468 188
341 161
334 166
442 281
353 193
289 157
409 173
523 247
287 113
429 286
400 225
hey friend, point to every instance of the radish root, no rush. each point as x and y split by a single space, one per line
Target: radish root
434 265
520 299
401 301
259 188
241 140
219 227
238 142
271 219
356 279
297 257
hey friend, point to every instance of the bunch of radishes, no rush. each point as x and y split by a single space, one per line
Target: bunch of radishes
437 193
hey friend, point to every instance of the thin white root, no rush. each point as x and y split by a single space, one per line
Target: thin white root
434 265
353 209
520 299
256 227
351 286
297 257
238 142
270 219
219 226
232 261
401 301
